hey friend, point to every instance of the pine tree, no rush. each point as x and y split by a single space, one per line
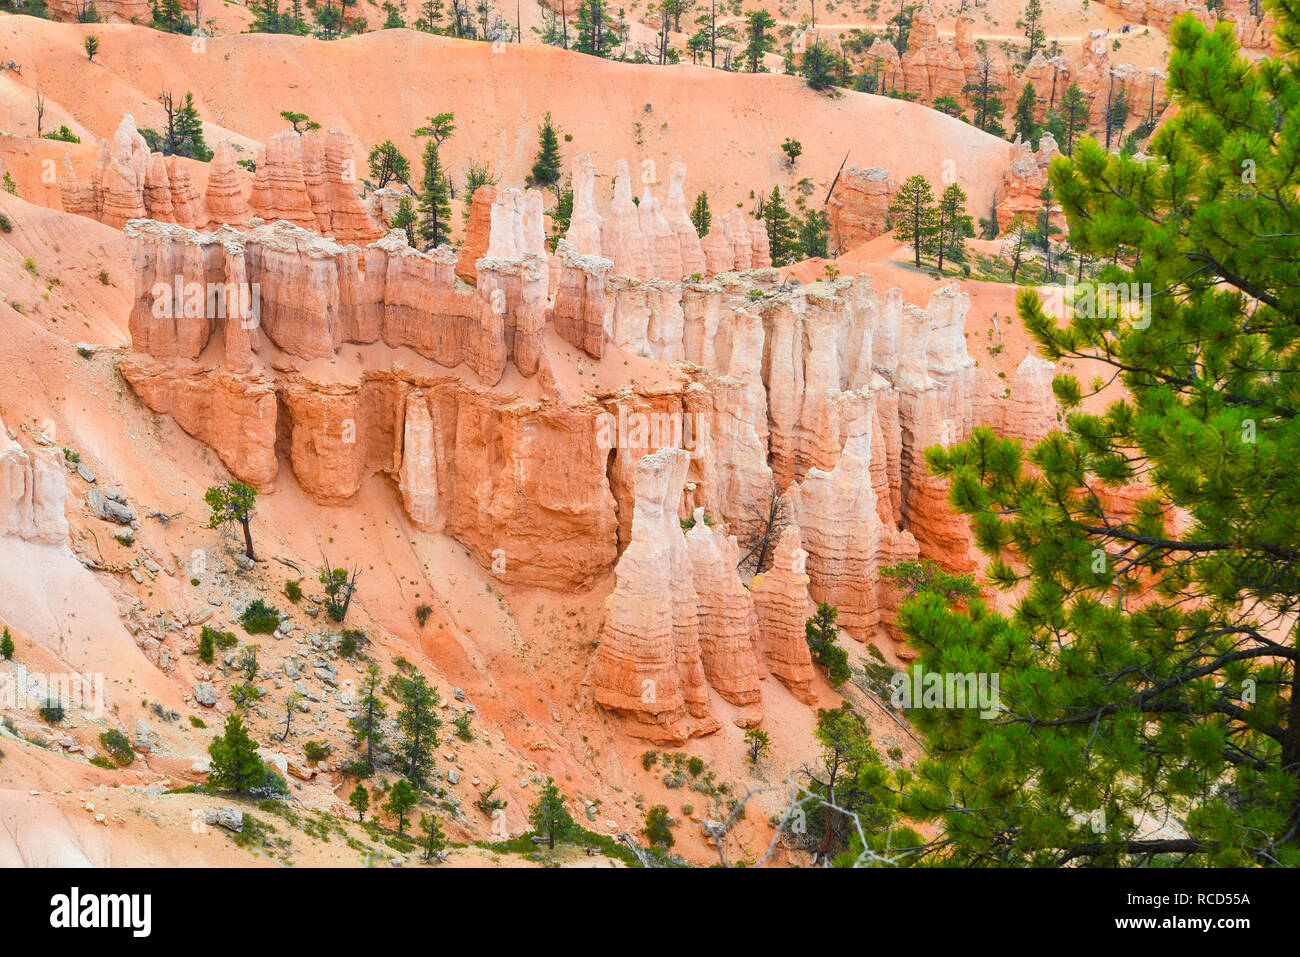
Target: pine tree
701 218
401 799
952 224
417 722
235 762
1074 116
549 165
404 219
915 214
1173 696
782 230
592 27
949 107
820 632
360 801
435 842
435 200
91 46
983 95
184 133
548 815
1031 22
817 65
367 724
852 783
1116 115
561 215
757 39
1017 237
233 503
1022 119
814 235
6 645
388 165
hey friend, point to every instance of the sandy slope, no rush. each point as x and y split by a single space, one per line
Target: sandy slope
728 126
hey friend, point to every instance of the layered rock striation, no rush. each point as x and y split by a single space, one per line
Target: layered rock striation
308 179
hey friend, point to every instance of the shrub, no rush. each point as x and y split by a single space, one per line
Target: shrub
236 765
207 653
6 645
100 761
315 751
293 591
358 769
211 638
64 134
649 759
259 618
463 730
422 614
51 712
658 827
757 745
695 766
351 641
6 224
197 722
244 695
118 747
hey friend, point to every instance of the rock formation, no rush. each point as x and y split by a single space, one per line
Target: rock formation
32 492
728 626
649 240
648 666
301 178
829 392
783 607
859 206
477 232
225 200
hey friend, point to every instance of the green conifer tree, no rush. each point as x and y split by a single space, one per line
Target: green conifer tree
1150 670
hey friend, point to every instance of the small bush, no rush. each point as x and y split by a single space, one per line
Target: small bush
293 591
259 618
51 712
63 134
103 278
463 730
695 766
6 224
649 759
197 722
315 752
357 769
6 645
100 761
658 827
422 614
350 642
118 747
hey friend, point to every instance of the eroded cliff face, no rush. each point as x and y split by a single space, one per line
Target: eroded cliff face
350 362
308 179
649 239
33 487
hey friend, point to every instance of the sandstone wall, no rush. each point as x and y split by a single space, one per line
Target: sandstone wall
308 179
33 488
